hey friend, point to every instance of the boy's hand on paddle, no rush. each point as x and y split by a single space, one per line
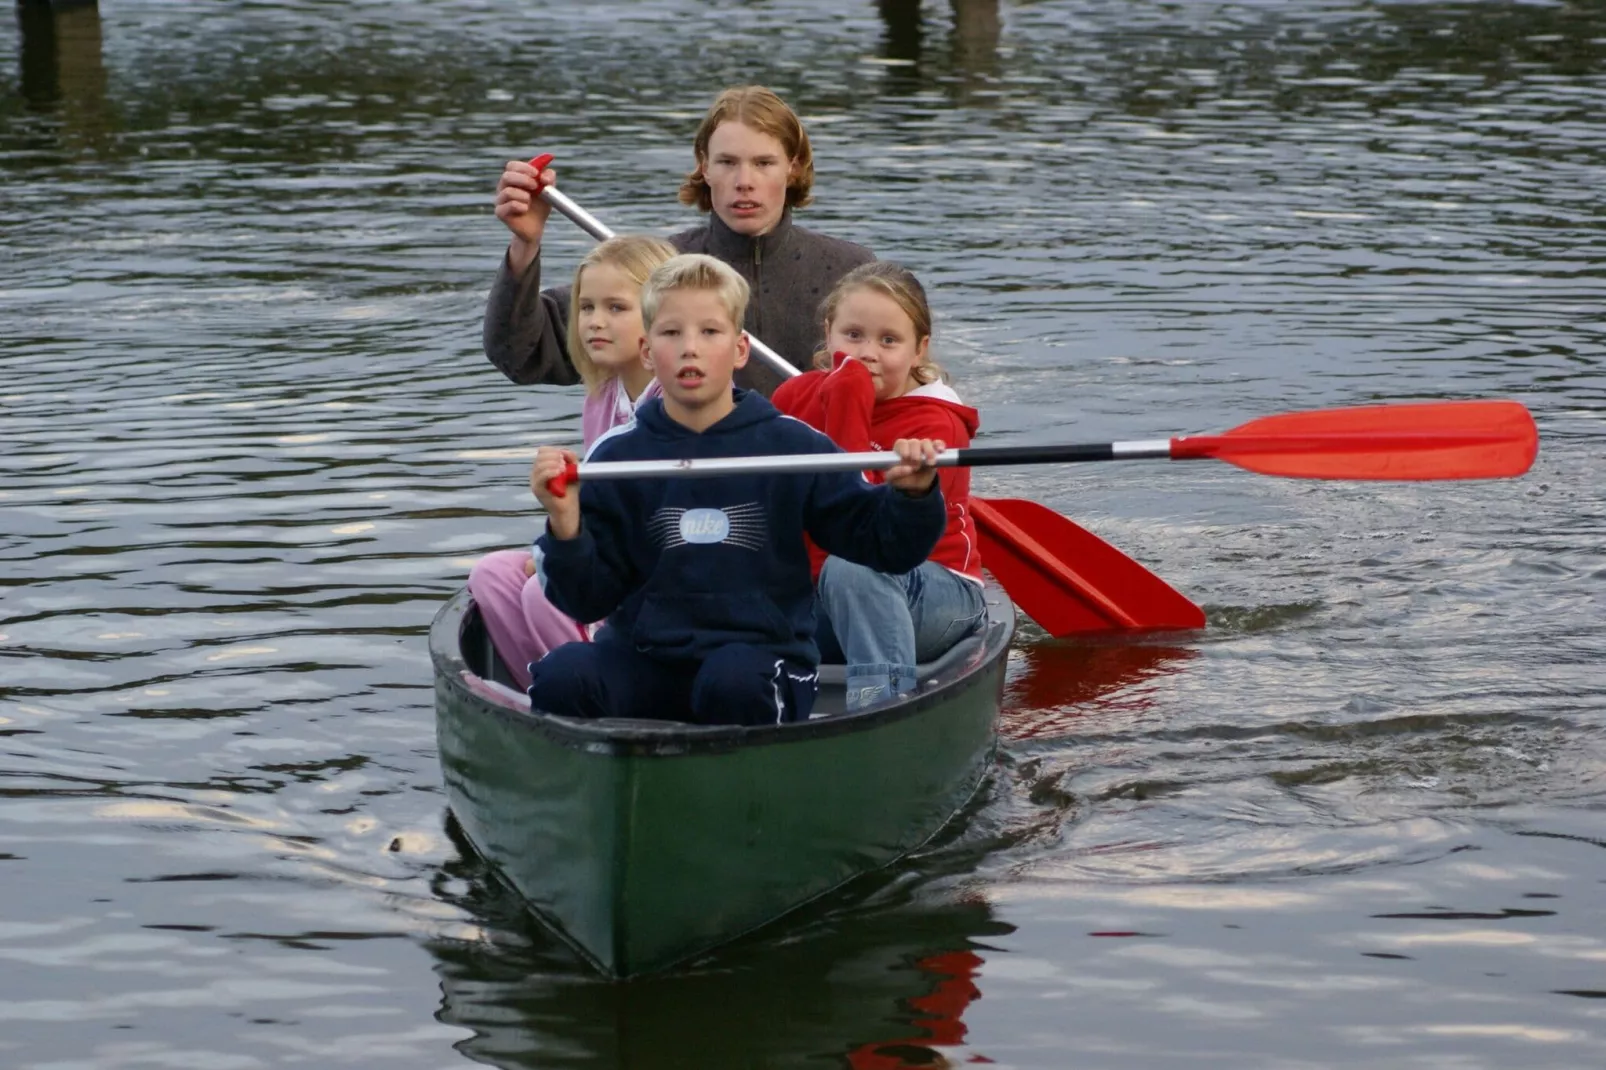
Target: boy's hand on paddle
519 204
562 510
915 475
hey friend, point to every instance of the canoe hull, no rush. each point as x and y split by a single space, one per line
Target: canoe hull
645 844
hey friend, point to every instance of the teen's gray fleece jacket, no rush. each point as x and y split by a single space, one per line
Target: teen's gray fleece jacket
789 269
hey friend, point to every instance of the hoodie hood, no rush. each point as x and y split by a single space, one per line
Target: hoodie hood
931 393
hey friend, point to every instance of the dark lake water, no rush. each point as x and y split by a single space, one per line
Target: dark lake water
249 444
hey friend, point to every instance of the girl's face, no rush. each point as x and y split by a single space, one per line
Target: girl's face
747 171
871 327
610 318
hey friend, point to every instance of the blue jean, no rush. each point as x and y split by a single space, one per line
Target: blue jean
883 625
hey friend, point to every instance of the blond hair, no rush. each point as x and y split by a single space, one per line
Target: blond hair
633 254
898 283
757 107
697 272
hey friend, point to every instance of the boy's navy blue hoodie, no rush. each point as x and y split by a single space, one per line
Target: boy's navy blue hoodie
681 567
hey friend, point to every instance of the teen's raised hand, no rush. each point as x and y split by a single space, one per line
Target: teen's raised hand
915 475
520 207
562 510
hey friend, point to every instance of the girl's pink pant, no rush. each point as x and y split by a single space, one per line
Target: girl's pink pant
522 624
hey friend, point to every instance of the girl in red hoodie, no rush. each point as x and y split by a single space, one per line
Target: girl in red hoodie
879 386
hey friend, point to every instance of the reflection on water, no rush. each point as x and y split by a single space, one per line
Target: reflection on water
60 53
248 445
1059 684
880 979
969 62
61 69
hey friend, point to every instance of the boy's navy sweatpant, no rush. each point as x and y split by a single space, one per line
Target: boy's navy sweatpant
737 684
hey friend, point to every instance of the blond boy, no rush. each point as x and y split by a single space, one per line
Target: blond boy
705 583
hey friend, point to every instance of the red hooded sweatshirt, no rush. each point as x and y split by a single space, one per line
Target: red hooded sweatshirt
842 404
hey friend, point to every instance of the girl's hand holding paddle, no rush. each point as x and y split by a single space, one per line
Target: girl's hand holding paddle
915 475
562 508
521 207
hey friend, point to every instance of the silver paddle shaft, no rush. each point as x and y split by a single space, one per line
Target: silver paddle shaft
781 464
600 231
693 468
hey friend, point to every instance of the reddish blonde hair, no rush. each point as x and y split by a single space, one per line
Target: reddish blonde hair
892 281
757 107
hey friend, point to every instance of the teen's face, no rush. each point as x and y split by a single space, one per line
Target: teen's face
694 350
610 317
872 328
747 171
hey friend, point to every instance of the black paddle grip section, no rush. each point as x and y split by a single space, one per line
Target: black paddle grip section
986 455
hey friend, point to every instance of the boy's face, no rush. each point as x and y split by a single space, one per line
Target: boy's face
694 350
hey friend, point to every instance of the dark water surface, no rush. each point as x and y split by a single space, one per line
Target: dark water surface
248 444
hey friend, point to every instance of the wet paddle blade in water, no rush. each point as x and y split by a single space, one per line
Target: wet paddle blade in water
1069 580
1437 440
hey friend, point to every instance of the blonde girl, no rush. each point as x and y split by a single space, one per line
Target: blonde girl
604 343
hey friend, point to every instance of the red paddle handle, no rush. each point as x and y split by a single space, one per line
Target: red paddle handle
540 163
559 483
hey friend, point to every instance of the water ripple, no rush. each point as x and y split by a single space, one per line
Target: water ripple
248 443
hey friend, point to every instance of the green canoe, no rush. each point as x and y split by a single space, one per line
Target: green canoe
646 842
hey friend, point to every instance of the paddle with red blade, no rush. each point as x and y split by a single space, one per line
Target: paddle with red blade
1061 575
1437 440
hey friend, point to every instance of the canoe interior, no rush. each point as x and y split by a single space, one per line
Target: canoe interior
480 657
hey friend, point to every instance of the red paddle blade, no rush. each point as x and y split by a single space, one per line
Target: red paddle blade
1440 440
1069 580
